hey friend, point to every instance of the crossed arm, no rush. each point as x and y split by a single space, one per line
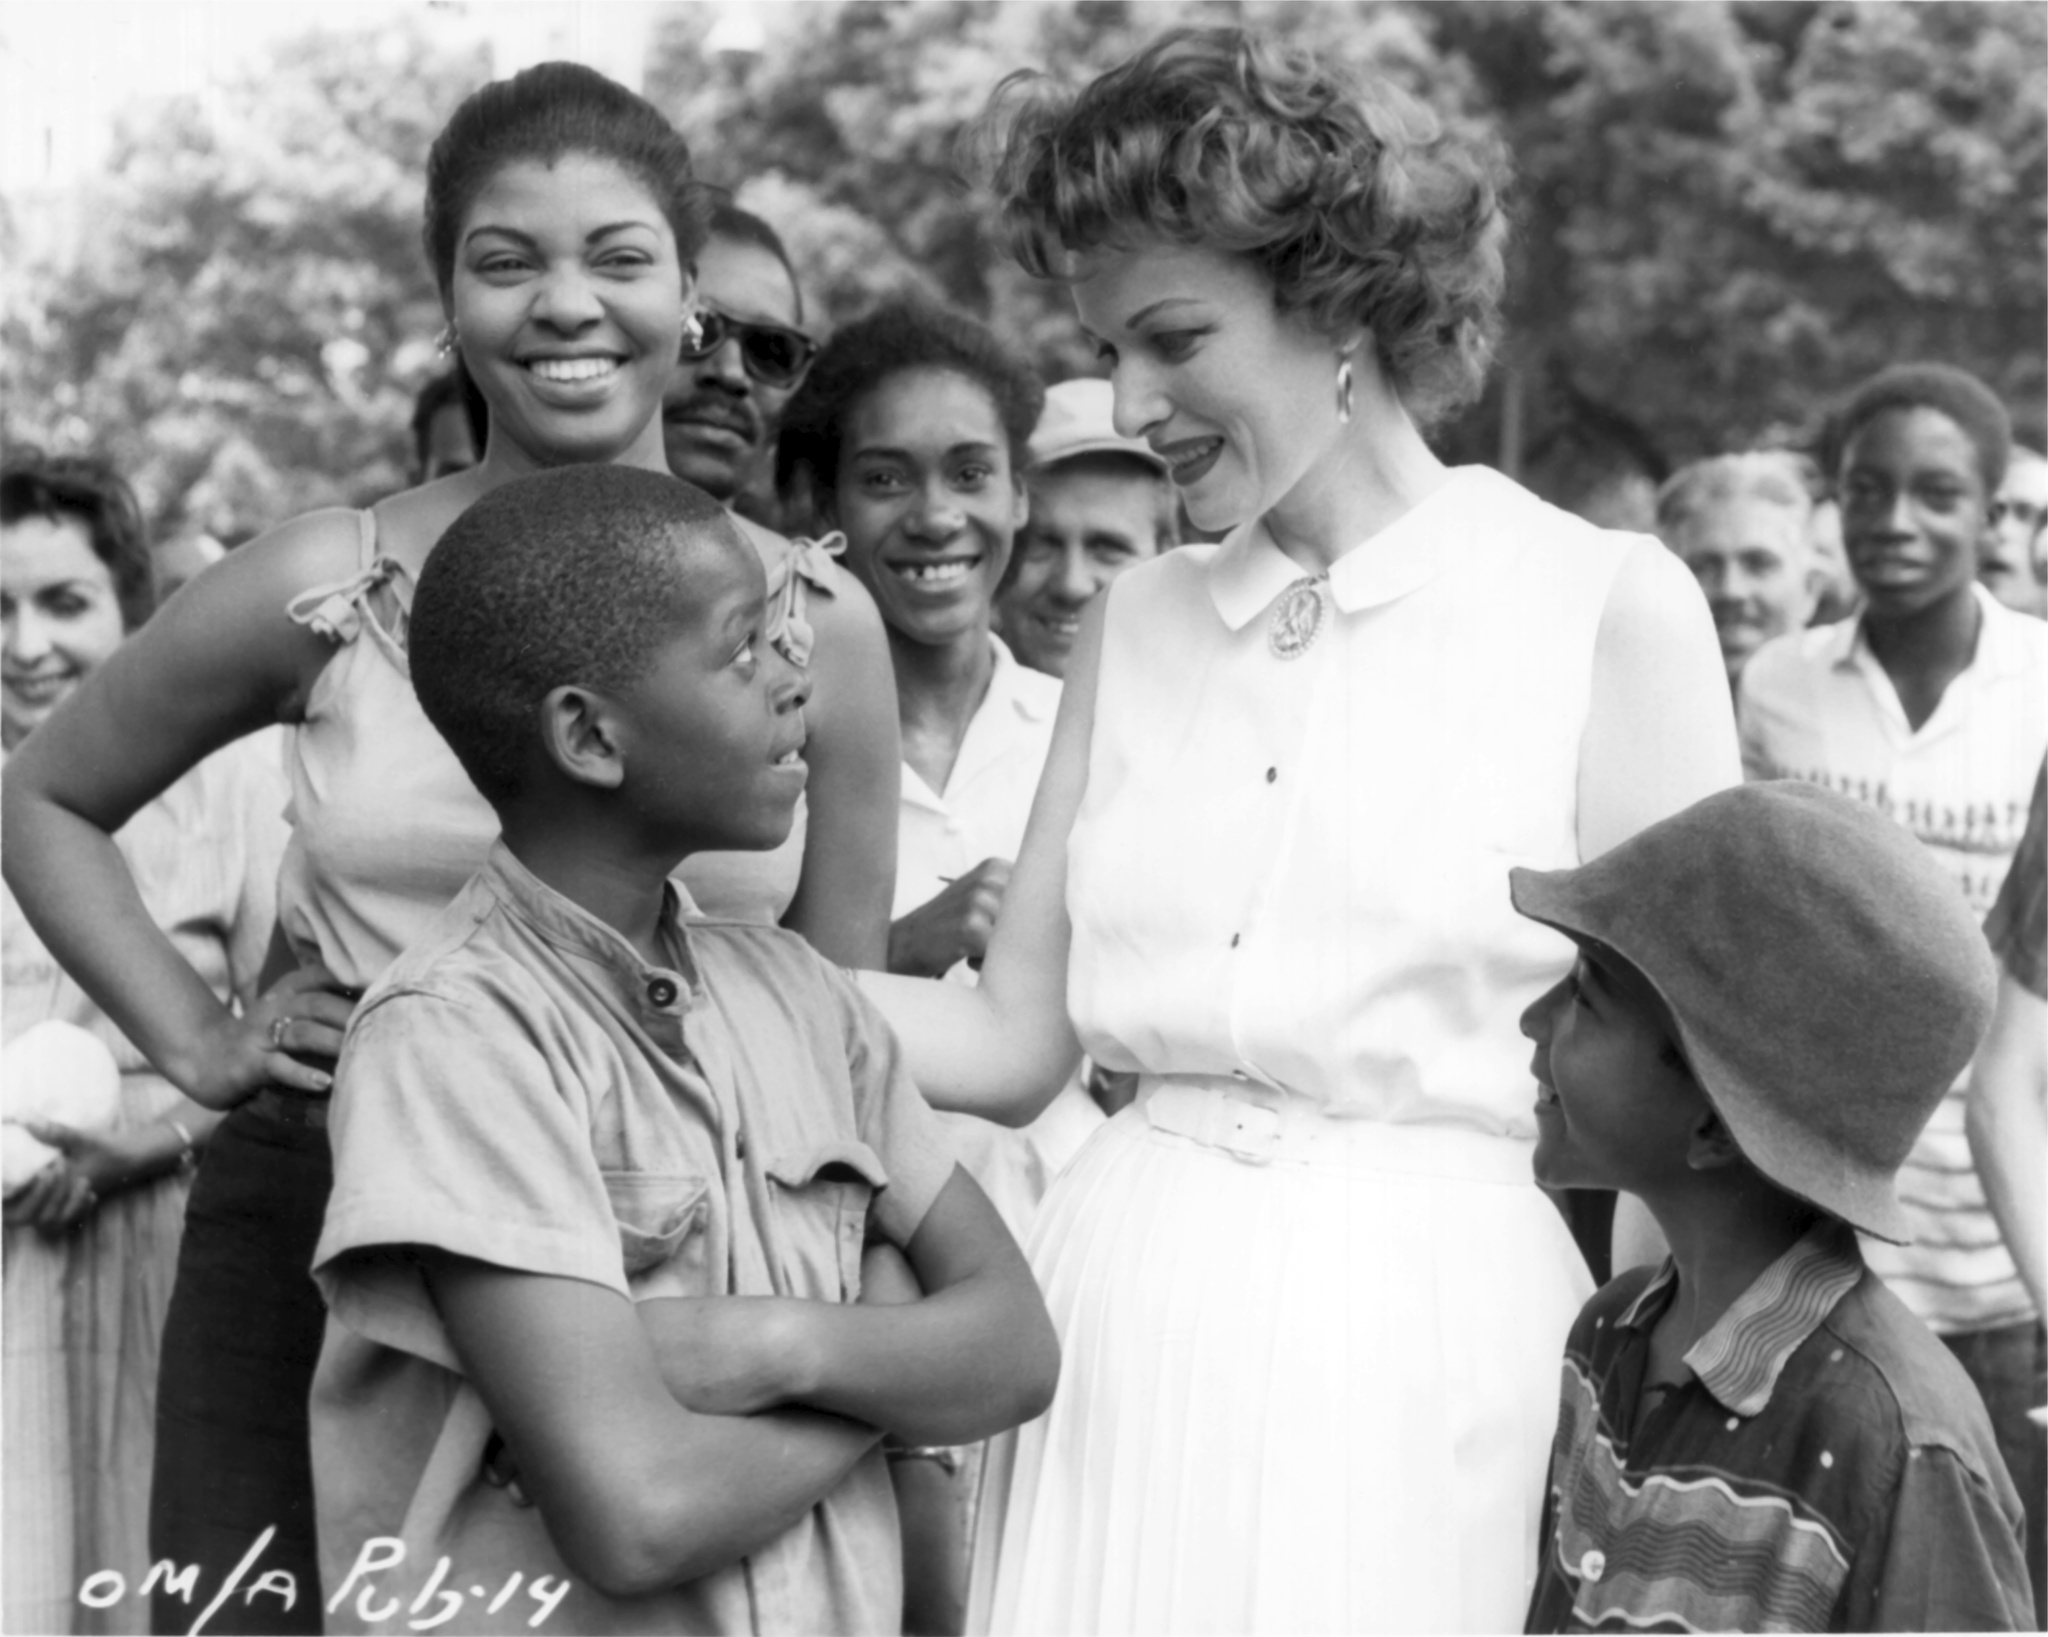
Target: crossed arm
665 1441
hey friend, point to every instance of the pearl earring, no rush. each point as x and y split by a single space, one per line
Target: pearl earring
1344 391
446 342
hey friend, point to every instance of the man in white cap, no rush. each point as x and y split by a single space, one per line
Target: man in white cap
1100 503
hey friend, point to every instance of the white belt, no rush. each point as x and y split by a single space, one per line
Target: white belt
1259 1126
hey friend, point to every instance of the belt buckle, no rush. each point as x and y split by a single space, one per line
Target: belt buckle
1252 1132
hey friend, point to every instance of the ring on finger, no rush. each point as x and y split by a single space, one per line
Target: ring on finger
278 1025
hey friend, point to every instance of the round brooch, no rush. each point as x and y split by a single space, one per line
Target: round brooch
1297 618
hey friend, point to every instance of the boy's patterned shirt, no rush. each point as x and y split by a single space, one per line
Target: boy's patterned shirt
1826 1466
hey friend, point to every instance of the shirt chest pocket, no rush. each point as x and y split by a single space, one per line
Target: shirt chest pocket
661 1218
820 1196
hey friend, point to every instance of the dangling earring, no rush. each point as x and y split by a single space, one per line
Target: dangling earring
1344 391
693 332
445 343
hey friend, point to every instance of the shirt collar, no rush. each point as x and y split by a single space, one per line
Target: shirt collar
1999 651
572 929
1740 1359
1248 570
1011 685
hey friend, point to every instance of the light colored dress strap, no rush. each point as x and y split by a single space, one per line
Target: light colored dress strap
808 565
340 609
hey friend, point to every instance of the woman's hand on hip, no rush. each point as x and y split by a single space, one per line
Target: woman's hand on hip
300 1016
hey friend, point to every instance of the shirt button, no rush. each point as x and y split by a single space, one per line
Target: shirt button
662 991
1593 1565
1272 773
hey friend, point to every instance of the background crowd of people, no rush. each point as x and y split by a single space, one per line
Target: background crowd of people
1100 848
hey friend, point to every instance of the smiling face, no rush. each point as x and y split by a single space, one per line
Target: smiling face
1914 511
569 300
1091 518
926 496
717 420
1614 1108
712 735
1752 560
60 616
1239 399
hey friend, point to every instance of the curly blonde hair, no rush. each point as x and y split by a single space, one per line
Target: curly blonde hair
1346 192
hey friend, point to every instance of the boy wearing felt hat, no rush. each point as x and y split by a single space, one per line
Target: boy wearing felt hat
1773 990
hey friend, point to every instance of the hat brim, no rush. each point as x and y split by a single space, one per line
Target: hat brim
1096 446
1782 1150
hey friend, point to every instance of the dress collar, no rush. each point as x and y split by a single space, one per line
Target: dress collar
1248 570
1740 1359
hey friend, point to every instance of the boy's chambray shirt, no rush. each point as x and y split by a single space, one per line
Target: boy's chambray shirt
1827 1466
522 1088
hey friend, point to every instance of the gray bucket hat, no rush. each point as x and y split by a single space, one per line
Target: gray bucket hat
1827 978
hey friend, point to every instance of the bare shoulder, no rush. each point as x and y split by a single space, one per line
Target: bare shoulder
1652 595
233 620
848 611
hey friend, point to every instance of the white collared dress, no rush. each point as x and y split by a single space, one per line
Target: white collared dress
1312 1304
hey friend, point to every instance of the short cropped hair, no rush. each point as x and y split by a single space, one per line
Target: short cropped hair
452 390
906 333
574 575
728 221
1953 392
1778 477
541 114
88 489
1347 193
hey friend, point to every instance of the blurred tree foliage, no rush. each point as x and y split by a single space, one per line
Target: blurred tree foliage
246 311
1728 211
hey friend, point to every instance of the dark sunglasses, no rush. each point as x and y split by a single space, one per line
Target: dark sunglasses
771 354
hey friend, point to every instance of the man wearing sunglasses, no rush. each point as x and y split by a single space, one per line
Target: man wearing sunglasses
738 368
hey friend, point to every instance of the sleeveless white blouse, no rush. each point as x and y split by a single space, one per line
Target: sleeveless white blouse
1295 871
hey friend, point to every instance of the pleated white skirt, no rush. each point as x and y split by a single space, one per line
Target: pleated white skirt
1298 1394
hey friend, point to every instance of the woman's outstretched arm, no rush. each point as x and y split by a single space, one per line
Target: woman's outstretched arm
219 660
1004 1049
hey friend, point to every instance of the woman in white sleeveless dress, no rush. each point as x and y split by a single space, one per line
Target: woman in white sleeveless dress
1311 1302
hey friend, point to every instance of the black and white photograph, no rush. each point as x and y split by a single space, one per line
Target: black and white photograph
1023 818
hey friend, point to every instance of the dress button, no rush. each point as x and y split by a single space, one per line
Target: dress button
1234 937
1272 773
662 991
1593 1565
739 1145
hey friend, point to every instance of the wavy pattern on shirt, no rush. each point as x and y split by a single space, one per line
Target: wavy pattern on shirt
1702 1551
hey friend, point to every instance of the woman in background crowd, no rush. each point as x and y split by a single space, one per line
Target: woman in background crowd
93 1230
1310 1301
909 435
561 220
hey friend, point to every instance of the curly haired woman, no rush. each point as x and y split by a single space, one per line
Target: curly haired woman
1310 1300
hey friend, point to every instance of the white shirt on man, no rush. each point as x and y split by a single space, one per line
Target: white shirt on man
1816 705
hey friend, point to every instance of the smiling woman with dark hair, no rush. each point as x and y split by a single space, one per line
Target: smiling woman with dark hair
561 218
96 1198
